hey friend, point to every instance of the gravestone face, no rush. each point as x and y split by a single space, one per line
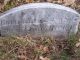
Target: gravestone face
40 19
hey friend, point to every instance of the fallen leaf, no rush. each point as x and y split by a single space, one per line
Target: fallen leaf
79 40
77 44
41 47
44 58
45 49
54 48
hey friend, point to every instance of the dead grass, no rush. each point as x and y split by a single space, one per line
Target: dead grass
36 48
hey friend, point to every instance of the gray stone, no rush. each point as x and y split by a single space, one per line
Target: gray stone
40 19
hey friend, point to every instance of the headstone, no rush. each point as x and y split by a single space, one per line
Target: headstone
40 19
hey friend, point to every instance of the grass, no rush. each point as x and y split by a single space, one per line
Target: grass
26 47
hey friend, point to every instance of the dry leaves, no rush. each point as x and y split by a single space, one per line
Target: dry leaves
46 49
78 44
22 57
44 58
69 2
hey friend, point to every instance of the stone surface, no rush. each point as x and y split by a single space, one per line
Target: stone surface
40 19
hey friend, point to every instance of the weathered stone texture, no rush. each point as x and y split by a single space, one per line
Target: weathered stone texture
39 21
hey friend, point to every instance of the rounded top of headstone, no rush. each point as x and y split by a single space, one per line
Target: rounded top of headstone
40 5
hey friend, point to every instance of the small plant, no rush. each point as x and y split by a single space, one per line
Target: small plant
64 56
72 40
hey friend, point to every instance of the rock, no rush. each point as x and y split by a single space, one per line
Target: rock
40 19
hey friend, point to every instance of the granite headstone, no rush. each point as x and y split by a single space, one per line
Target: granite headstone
40 19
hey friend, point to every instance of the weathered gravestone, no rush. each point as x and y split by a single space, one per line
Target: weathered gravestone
40 19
